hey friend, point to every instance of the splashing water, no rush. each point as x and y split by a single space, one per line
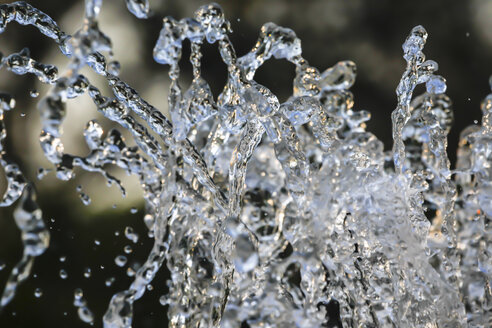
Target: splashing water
269 214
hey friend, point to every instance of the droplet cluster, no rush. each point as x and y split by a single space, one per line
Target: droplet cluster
269 214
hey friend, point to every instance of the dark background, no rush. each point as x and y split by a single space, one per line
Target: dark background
368 32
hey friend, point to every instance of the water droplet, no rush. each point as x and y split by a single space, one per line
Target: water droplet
120 260
140 8
42 173
78 294
7 102
131 235
109 281
436 84
87 272
38 292
114 68
340 76
85 314
63 274
86 200
33 93
130 272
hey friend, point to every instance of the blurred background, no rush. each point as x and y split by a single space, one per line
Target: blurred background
84 238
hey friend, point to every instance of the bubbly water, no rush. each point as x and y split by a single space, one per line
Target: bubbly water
271 214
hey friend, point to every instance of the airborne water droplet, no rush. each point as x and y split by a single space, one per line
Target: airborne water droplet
78 294
140 8
127 249
63 274
130 272
85 314
38 292
86 200
109 281
42 172
131 235
120 260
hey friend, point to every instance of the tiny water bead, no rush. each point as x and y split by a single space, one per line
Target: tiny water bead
78 294
120 260
128 249
42 172
63 274
130 272
131 235
140 8
266 213
38 292
109 281
84 313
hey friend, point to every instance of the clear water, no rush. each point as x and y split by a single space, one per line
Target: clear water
267 213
